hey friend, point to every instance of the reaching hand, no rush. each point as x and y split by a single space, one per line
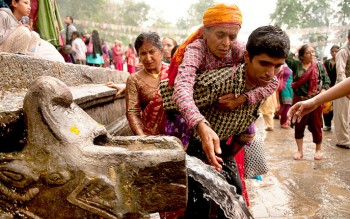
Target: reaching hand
230 101
210 145
298 110
120 87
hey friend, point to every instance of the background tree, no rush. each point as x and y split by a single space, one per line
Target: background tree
131 17
305 14
288 14
194 16
344 12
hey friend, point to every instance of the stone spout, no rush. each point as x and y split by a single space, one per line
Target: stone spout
70 167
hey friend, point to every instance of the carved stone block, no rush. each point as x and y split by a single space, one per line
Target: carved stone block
71 167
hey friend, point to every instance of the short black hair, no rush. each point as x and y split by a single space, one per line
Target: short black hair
77 33
335 47
9 3
270 40
302 51
71 18
151 37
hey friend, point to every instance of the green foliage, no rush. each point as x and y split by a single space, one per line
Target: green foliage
194 14
310 14
135 15
343 14
288 13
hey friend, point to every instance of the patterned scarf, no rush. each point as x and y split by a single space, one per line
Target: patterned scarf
310 75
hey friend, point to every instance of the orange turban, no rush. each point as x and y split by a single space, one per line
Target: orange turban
220 14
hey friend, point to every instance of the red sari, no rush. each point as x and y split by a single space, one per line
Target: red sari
144 105
117 54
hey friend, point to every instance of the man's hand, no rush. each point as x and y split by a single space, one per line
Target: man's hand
230 101
210 145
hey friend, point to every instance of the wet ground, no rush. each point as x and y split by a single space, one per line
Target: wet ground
304 188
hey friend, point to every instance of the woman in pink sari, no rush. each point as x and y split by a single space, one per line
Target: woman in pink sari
117 55
131 59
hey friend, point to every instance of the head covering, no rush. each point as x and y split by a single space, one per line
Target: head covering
217 15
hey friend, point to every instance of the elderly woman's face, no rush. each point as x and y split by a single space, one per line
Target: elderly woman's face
309 55
220 39
150 56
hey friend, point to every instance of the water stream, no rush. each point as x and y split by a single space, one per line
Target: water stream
217 189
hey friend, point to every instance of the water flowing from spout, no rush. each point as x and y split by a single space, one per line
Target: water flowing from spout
217 189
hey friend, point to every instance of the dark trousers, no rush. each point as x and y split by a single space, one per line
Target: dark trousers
197 205
327 118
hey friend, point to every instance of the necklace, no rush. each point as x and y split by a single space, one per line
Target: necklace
155 76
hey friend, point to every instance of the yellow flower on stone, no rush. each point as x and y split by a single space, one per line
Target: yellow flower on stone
75 130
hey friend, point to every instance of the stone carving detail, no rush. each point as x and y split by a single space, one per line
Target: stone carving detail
70 167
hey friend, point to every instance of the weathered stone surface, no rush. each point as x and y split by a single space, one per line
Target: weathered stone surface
71 167
17 72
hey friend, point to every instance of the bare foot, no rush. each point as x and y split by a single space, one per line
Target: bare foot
318 155
298 156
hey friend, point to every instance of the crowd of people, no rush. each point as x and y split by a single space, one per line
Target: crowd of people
209 90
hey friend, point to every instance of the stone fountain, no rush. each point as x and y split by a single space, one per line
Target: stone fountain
70 167
65 153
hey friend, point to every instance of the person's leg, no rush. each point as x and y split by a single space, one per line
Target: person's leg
314 126
268 122
21 40
327 118
341 120
284 118
299 155
299 135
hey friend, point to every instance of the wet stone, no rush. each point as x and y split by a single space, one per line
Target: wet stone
304 188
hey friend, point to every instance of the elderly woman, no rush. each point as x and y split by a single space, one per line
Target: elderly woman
309 79
17 37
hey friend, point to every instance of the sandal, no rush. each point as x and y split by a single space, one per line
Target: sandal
318 156
298 156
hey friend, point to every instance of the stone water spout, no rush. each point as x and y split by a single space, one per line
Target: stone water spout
70 167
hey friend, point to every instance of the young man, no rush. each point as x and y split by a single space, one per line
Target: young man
70 28
267 49
213 46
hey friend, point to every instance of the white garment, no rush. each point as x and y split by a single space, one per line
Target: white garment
15 38
46 50
79 49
